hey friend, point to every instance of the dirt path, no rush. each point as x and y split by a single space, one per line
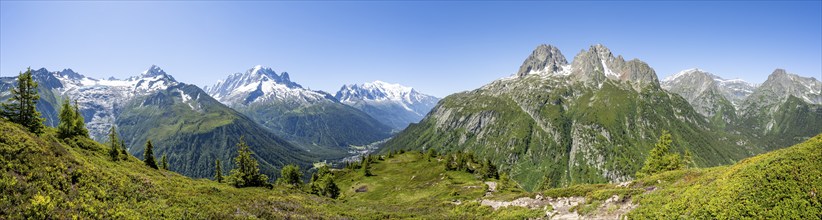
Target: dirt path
560 208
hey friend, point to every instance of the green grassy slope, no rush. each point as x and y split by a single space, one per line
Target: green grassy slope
43 177
783 184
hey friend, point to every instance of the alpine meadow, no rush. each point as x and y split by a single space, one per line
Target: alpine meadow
693 110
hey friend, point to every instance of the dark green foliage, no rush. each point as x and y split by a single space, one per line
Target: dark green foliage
114 143
545 183
246 172
489 170
148 155
322 183
164 162
661 158
291 176
72 122
431 154
365 167
218 171
21 107
79 122
65 128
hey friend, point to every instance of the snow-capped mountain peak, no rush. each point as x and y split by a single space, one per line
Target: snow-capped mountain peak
391 103
682 73
378 91
259 84
99 99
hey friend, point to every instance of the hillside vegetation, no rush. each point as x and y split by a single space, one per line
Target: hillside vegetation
43 177
782 184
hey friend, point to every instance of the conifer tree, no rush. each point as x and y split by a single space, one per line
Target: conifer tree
114 144
290 175
164 162
218 170
79 122
661 158
688 159
123 149
322 183
65 128
22 105
246 170
72 122
329 188
488 170
366 167
450 163
148 155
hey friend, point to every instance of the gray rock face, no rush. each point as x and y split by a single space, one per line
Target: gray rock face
707 93
781 84
592 67
545 58
597 64
693 83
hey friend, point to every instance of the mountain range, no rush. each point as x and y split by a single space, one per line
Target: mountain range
589 120
783 110
392 104
282 122
181 120
313 119
594 119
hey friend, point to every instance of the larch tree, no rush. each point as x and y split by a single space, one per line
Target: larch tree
290 175
79 122
246 170
114 144
661 158
22 105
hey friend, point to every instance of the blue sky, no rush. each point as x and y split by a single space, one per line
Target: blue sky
437 47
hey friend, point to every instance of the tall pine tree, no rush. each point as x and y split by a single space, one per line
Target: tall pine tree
218 170
65 128
72 122
290 175
79 122
114 144
148 155
661 158
246 170
22 105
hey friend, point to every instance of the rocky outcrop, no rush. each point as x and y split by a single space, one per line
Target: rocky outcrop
544 59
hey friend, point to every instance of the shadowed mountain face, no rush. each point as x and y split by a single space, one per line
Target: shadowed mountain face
181 120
